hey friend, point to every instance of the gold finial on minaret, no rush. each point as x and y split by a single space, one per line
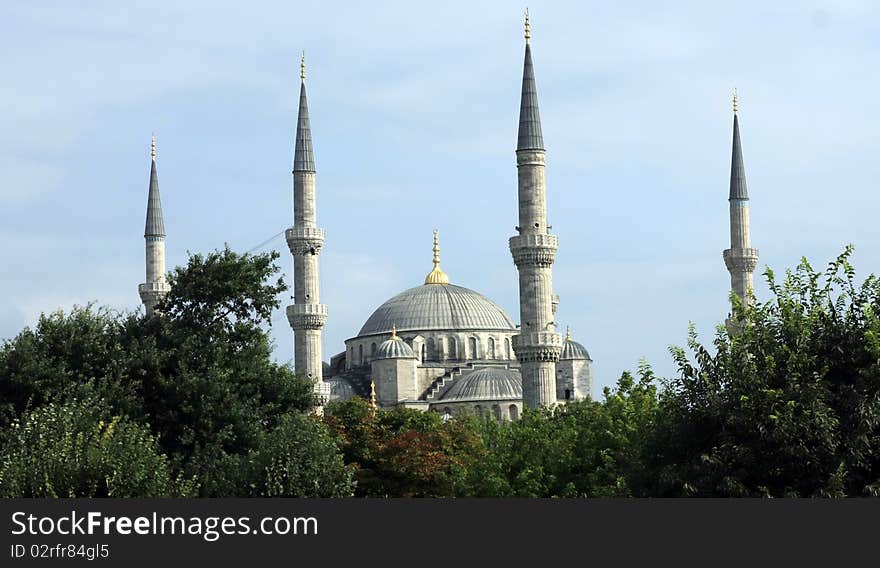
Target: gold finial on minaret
735 102
302 67
373 395
567 333
528 30
153 148
436 276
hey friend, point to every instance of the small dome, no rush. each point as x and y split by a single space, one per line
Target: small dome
340 389
395 348
489 383
573 350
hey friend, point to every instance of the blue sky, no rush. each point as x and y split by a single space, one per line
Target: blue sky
414 112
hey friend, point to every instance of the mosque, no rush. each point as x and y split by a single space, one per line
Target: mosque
440 346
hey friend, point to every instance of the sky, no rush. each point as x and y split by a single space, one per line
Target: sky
414 111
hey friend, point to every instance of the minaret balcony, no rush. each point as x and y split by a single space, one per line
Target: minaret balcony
160 287
302 240
537 346
534 249
741 259
307 316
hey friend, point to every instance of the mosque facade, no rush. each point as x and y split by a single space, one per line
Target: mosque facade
440 346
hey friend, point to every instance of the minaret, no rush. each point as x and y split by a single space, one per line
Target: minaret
156 287
740 258
537 346
306 315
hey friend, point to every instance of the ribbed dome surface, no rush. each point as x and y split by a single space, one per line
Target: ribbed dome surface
436 307
574 350
395 349
340 389
490 383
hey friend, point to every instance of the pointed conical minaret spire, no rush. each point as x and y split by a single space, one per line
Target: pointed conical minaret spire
530 136
155 287
537 346
740 259
305 240
303 156
738 189
155 225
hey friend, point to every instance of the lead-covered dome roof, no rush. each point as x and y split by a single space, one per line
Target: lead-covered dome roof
395 348
573 350
437 307
489 383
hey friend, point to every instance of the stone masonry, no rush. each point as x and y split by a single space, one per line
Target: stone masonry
307 314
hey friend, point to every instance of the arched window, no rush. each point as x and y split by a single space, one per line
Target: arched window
424 351
372 350
496 410
432 349
507 348
491 344
361 354
472 348
453 352
514 412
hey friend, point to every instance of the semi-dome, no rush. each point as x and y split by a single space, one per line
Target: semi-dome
437 307
395 348
489 383
340 389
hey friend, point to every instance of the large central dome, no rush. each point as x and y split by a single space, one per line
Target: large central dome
437 307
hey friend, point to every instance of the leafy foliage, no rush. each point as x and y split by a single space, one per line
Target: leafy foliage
403 452
785 402
199 375
581 449
70 450
789 403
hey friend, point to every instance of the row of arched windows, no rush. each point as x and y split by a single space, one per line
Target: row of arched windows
496 411
430 350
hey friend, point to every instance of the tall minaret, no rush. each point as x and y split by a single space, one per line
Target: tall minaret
537 346
306 315
155 287
740 258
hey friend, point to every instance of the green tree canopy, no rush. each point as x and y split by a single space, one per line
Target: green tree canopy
789 402
74 450
199 374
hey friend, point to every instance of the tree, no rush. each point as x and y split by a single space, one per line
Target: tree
299 458
198 374
69 356
74 450
581 449
403 452
789 403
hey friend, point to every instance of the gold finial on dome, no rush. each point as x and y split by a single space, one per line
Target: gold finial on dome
735 102
153 148
528 30
436 276
567 333
394 332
